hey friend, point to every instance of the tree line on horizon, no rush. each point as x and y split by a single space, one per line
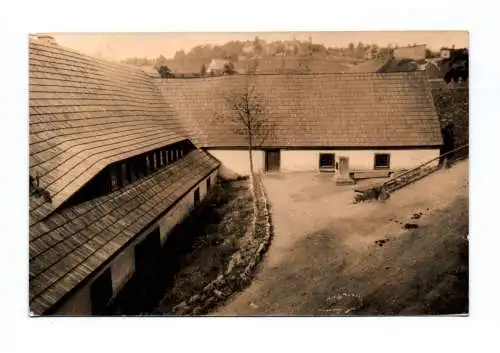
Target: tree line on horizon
194 63
234 51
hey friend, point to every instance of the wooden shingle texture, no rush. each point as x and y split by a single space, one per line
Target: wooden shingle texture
86 113
70 244
340 110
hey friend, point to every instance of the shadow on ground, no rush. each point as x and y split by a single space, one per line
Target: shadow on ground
193 255
416 271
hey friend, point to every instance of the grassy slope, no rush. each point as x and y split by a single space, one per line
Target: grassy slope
219 225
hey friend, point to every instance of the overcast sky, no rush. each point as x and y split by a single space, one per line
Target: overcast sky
118 46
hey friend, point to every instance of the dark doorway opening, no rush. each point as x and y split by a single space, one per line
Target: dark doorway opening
147 255
101 291
197 196
273 160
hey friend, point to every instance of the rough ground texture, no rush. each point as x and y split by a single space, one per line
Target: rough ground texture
234 235
408 255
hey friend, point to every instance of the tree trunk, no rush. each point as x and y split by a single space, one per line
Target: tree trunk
250 156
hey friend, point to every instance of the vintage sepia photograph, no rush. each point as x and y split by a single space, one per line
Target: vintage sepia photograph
249 173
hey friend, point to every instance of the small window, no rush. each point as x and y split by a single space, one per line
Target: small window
124 172
155 162
196 196
148 163
160 158
382 161
113 179
208 184
134 170
142 167
326 160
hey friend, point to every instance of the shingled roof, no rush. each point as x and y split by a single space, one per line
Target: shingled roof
86 113
340 110
70 244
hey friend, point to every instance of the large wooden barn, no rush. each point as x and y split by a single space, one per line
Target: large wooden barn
111 173
118 158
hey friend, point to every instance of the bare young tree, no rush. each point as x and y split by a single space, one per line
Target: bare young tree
245 111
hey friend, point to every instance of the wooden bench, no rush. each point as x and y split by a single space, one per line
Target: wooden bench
369 174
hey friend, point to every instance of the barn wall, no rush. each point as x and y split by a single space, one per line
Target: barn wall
236 162
308 160
78 304
183 208
122 266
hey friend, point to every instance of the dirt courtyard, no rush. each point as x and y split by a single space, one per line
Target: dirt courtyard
407 256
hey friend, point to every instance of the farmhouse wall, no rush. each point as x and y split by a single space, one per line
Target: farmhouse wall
308 160
236 162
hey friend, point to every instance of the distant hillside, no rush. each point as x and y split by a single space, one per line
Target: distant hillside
290 56
293 56
293 64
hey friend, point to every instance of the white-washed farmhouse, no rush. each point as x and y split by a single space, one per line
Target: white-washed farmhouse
117 158
111 173
376 121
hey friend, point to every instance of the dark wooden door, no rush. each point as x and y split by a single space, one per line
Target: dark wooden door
147 256
272 160
101 291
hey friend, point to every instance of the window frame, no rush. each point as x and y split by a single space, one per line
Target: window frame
378 167
160 159
114 178
330 154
